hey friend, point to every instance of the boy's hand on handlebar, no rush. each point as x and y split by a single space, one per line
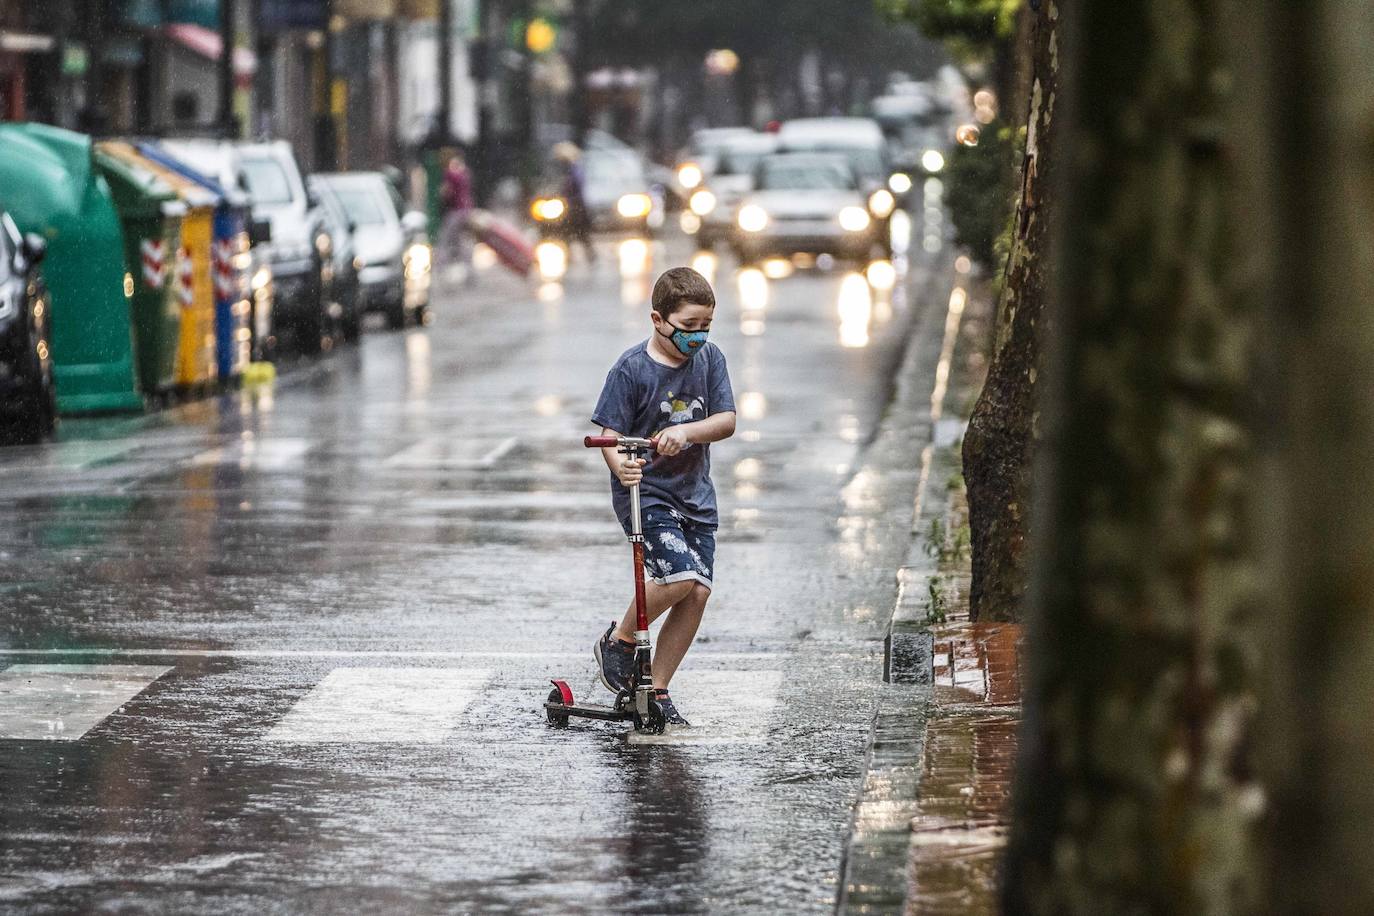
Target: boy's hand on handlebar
630 471
672 440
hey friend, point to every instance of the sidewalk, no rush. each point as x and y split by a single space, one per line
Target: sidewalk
930 822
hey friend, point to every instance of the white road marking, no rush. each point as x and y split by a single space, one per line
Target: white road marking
81 454
64 702
256 454
107 652
440 453
724 707
396 705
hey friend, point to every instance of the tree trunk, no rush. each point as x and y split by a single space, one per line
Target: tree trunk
1001 433
1133 793
1314 101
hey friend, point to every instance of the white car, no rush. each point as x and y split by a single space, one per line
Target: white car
393 267
806 202
861 140
728 175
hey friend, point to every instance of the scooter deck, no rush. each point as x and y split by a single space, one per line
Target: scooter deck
590 711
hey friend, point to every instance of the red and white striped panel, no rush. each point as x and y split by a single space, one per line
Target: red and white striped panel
153 253
226 277
186 279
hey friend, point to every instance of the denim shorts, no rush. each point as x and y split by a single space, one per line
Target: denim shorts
676 548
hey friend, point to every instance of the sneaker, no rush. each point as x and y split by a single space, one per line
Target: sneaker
615 661
670 712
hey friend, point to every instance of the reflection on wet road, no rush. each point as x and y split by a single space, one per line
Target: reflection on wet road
285 651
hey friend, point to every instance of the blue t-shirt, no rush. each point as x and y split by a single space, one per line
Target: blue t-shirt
642 397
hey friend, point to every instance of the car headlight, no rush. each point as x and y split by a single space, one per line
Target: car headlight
634 206
752 218
900 183
702 202
881 203
548 209
854 219
689 175
417 259
932 160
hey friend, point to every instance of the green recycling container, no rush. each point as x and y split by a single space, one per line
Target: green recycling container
50 186
151 213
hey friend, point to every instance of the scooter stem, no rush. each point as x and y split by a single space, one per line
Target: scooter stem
637 540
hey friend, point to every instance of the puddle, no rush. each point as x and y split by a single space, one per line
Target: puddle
960 828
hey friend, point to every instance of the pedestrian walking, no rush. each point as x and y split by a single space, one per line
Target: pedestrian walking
579 221
456 206
673 387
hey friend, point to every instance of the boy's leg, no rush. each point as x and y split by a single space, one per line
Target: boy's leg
678 631
657 599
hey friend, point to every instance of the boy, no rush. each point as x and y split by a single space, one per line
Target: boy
673 386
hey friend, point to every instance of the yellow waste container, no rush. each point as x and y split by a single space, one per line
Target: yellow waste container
193 277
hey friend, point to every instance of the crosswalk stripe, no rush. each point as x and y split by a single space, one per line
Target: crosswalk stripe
257 454
377 705
724 707
64 702
440 453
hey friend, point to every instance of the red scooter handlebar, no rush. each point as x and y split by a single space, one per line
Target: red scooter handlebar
609 442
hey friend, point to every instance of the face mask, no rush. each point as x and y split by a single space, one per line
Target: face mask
687 342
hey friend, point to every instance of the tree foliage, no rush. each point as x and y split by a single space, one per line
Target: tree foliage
975 22
980 190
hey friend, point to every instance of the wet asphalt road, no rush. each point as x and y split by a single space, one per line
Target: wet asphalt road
291 644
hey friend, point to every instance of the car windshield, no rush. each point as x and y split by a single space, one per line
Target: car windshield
780 175
617 171
363 206
267 183
739 163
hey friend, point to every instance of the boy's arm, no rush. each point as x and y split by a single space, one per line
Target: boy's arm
714 428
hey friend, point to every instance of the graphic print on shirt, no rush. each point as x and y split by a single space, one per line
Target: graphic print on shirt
679 410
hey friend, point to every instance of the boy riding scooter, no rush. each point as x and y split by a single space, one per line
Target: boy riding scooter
673 388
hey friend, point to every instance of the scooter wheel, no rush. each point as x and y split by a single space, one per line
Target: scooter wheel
556 719
654 723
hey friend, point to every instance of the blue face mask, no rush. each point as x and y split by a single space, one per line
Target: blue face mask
687 342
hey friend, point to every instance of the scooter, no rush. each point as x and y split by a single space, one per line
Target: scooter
637 704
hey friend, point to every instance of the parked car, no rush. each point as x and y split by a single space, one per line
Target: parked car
805 202
298 252
620 196
392 263
28 397
728 175
342 256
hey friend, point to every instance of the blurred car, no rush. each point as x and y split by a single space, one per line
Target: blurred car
805 202
345 285
392 264
699 158
728 175
28 396
861 142
619 195
298 253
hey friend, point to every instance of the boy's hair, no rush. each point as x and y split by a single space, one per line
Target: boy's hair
678 285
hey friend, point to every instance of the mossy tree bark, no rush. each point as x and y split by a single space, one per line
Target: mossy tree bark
1001 432
1134 792
1312 196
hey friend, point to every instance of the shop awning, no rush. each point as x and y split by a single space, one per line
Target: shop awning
207 44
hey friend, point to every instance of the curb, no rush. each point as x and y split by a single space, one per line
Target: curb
874 870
